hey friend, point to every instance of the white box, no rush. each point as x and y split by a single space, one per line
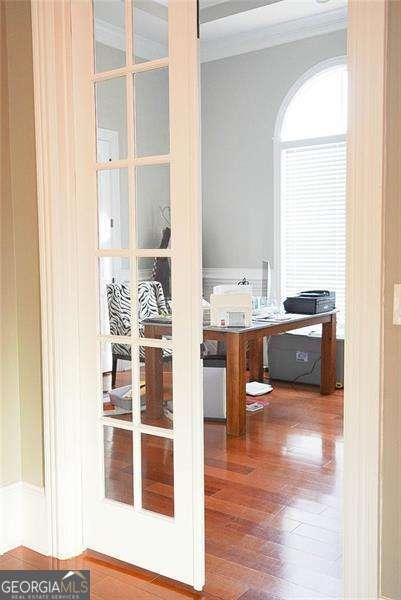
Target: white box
214 391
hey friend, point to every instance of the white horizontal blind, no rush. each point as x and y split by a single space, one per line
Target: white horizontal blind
313 196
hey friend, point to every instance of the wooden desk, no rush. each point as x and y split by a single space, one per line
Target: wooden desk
237 341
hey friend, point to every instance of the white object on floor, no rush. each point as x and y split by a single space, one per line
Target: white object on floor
255 406
214 392
255 388
116 412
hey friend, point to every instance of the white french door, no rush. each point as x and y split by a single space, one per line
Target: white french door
136 74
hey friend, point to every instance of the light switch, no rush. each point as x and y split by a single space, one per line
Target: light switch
397 304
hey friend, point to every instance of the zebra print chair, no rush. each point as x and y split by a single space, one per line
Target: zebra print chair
151 303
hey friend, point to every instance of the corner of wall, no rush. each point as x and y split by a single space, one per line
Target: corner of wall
26 236
10 434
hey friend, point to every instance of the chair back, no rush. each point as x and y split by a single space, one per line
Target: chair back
119 304
151 303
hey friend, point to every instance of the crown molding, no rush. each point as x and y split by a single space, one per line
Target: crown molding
275 35
233 45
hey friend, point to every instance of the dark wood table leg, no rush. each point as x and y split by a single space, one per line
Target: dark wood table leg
256 359
328 353
154 382
235 384
153 376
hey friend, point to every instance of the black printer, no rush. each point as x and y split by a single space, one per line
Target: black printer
311 302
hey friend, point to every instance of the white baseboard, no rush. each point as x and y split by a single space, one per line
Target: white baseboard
11 516
23 515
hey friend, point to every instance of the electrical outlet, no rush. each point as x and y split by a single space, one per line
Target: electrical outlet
397 304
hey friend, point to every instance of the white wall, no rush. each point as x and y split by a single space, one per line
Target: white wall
241 96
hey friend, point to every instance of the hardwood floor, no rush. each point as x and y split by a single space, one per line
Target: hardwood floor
272 507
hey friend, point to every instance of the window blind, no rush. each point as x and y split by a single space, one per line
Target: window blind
313 197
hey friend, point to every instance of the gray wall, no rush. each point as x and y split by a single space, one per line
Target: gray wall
241 96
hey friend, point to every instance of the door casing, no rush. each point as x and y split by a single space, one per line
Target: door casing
58 215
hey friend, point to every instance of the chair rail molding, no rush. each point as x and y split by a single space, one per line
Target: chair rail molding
57 214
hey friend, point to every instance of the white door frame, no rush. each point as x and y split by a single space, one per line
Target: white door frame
58 214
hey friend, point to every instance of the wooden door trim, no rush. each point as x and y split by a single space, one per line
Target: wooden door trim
58 259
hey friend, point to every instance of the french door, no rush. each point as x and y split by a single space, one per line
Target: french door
135 77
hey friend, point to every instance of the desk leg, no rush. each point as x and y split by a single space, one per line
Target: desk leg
328 353
235 385
154 382
256 359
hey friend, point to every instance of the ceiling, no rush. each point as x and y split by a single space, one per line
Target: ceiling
262 16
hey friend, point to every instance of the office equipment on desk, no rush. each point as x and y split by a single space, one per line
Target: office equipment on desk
231 309
311 302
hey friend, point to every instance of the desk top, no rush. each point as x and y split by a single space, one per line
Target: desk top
294 321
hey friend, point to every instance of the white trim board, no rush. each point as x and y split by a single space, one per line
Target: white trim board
275 35
232 273
24 515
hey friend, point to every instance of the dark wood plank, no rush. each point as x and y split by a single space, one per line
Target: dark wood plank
328 353
235 384
256 359
154 382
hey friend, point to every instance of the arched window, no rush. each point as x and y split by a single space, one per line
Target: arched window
311 187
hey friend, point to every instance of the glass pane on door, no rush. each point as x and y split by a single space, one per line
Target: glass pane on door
153 220
113 208
150 25
116 380
118 465
115 295
154 297
157 474
111 115
151 104
156 386
109 34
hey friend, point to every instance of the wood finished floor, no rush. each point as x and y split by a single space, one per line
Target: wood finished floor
272 509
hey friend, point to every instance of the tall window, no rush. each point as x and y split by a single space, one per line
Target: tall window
312 145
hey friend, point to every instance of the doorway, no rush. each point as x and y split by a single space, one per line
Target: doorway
274 124
71 543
